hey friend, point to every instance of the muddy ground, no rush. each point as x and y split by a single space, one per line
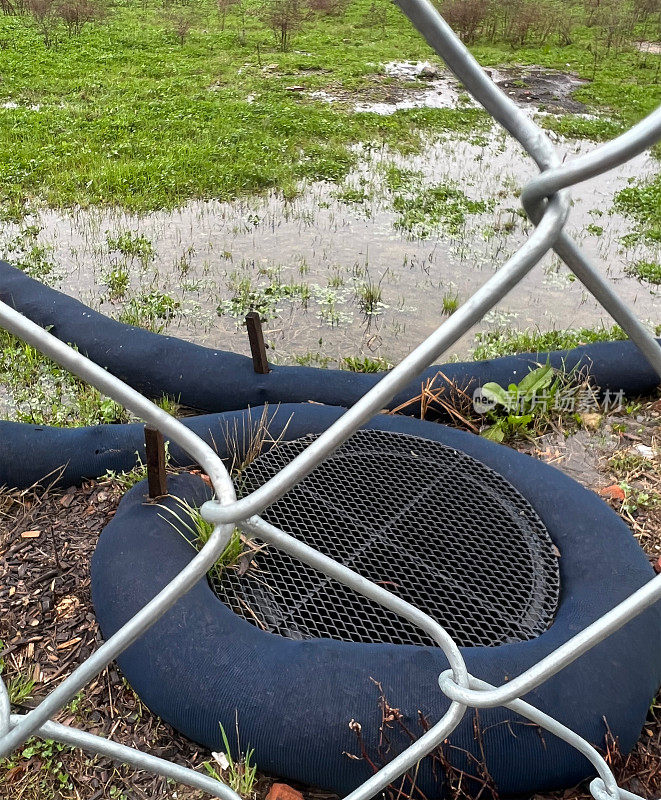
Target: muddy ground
47 624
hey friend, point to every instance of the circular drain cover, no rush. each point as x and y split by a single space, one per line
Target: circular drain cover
432 525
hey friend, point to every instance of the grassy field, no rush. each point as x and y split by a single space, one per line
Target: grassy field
158 103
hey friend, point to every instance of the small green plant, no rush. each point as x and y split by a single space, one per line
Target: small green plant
247 296
313 359
450 303
153 310
200 531
443 206
364 364
139 473
49 754
642 201
42 393
169 404
648 271
638 500
524 408
336 281
132 245
19 687
595 230
504 341
117 280
352 196
369 296
28 254
239 775
624 463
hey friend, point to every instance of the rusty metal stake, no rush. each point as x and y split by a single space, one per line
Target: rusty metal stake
257 346
155 451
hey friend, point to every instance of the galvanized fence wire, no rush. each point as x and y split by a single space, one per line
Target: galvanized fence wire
547 202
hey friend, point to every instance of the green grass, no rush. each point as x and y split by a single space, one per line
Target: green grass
642 201
153 310
504 342
435 207
26 253
239 774
117 280
576 127
125 114
45 394
19 686
128 116
648 271
260 296
365 364
449 303
200 530
131 244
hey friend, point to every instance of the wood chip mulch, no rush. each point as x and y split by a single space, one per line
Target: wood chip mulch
48 627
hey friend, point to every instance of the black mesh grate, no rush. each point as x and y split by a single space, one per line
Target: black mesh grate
432 525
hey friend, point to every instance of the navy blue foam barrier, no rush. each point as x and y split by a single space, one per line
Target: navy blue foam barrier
217 380
32 454
200 664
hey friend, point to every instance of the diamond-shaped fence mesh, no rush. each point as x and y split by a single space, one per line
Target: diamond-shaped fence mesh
547 203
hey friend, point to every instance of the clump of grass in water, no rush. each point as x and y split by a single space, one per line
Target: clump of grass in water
313 359
648 271
450 303
117 280
27 254
247 296
132 245
504 342
369 296
642 201
154 311
443 206
43 393
365 364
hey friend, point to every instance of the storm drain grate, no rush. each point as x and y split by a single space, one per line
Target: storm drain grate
432 525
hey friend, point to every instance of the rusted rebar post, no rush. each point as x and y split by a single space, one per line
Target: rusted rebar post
257 346
155 453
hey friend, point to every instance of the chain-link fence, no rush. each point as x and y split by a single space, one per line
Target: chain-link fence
546 200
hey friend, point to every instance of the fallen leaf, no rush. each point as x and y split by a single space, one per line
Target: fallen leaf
615 492
591 421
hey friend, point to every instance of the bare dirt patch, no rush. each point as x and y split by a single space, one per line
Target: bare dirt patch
548 90
409 84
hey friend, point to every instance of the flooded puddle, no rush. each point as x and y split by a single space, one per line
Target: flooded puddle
420 84
350 270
